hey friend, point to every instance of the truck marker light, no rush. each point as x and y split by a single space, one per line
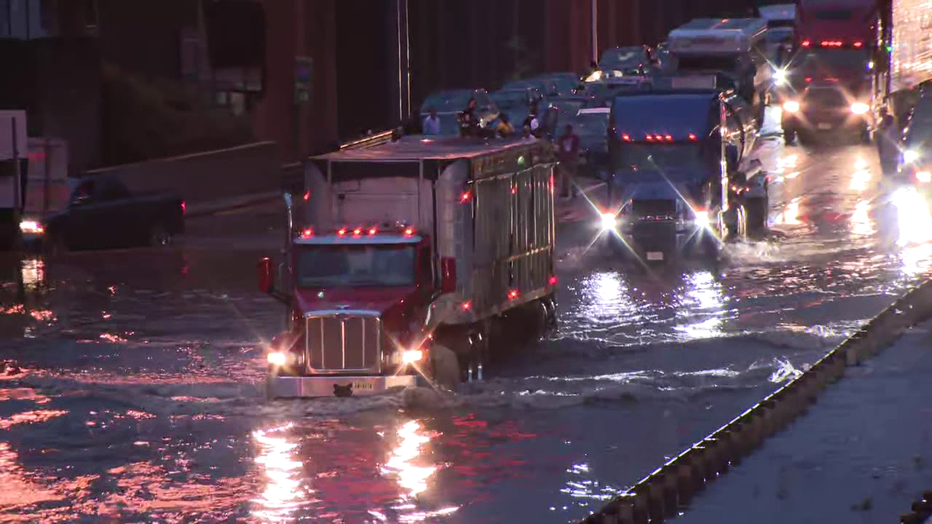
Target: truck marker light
668 138
184 208
513 294
806 43
373 231
409 232
277 358
692 136
342 231
466 305
924 176
858 45
514 190
307 233
553 280
466 196
307 195
650 138
357 231
626 137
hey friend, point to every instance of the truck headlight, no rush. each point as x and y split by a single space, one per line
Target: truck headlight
702 219
910 156
410 356
277 358
609 221
924 177
860 108
791 106
31 227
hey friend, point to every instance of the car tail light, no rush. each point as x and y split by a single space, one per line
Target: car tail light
806 43
692 136
626 137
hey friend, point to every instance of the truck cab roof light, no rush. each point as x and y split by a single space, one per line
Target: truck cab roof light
357 231
692 136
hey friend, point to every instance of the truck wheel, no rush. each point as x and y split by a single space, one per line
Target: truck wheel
736 223
446 367
473 363
789 135
756 210
159 236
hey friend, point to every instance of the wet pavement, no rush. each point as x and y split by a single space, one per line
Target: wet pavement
131 387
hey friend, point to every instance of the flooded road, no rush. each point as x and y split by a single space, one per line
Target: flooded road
131 383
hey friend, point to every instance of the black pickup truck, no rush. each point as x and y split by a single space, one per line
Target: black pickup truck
102 213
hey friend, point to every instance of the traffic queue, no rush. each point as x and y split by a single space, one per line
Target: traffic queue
408 260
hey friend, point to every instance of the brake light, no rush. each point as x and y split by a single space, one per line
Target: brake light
806 43
357 231
831 43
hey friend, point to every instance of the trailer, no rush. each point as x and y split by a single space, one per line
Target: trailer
402 249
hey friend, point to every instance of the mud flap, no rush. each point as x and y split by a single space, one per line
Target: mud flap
446 367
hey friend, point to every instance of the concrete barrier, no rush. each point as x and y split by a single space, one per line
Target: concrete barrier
211 175
664 492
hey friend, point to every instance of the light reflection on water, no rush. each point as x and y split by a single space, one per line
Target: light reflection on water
704 303
285 491
606 298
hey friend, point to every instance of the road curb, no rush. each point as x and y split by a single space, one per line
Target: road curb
663 494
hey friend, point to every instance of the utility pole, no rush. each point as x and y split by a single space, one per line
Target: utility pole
402 31
595 30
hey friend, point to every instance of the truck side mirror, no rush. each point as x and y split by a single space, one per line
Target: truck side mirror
266 281
447 275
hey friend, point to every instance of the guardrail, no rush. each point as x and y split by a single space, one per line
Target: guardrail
662 494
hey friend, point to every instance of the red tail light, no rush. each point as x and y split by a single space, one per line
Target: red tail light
184 208
307 195
626 137
466 305
650 138
806 43
307 233
342 231
553 280
466 196
808 79
668 138
692 136
409 232
513 294
858 45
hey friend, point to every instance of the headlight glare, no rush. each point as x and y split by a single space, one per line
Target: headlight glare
277 358
702 219
609 221
910 156
860 108
791 106
31 227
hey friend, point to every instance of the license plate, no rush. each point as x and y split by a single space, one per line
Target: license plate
823 125
363 386
655 255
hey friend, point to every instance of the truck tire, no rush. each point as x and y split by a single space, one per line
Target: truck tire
446 367
756 211
789 135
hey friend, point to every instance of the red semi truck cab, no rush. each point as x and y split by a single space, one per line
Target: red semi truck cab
836 76
406 250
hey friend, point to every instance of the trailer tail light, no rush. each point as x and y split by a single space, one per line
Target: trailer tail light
466 306
668 138
373 231
307 195
692 137
806 43
447 275
650 138
831 43
357 231
553 280
341 232
857 45
307 233
513 294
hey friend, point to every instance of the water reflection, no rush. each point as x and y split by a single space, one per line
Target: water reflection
285 490
861 222
605 298
704 302
33 273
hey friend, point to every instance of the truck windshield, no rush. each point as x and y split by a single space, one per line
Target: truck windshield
355 265
591 124
829 59
653 157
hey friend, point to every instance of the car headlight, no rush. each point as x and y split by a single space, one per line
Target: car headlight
31 227
779 76
609 221
701 219
910 156
859 108
924 177
791 106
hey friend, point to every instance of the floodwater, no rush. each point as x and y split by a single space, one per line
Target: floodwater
131 383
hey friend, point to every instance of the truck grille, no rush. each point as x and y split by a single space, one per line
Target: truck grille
343 343
826 97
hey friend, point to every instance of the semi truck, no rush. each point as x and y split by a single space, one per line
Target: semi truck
681 180
853 58
402 252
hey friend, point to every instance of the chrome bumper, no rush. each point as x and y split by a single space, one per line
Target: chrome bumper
329 386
